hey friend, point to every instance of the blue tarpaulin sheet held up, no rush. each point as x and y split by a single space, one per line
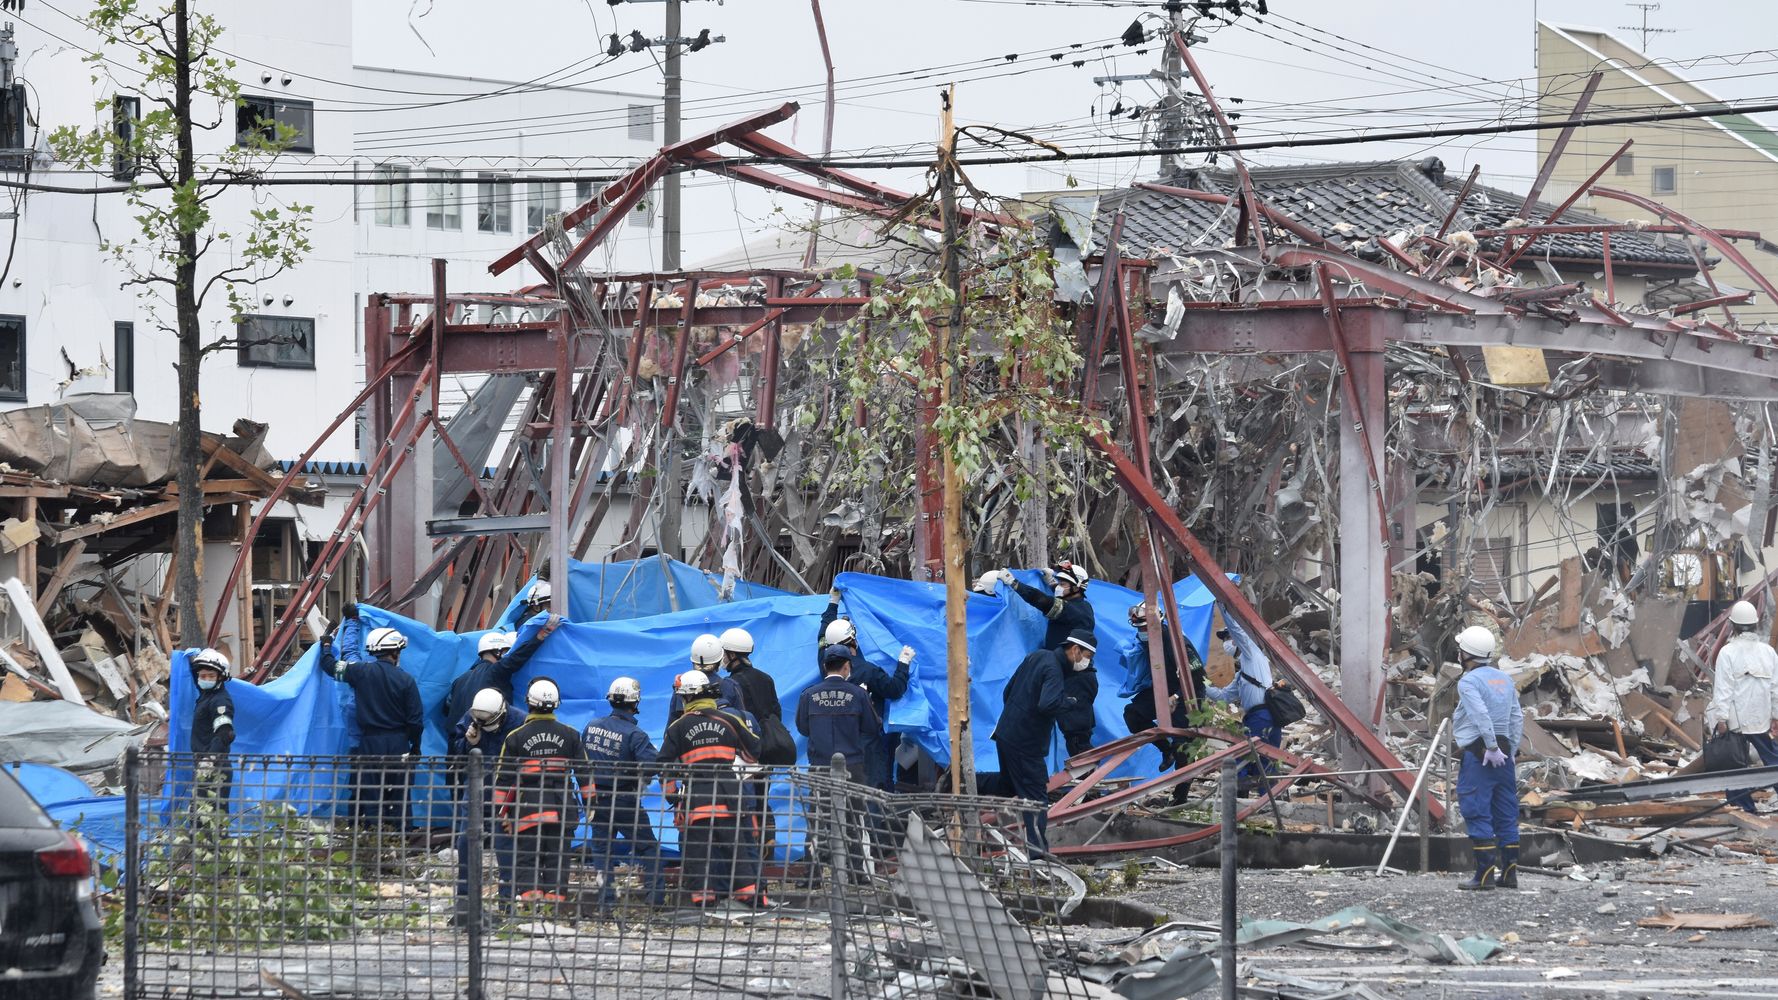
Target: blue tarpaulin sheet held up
638 588
305 713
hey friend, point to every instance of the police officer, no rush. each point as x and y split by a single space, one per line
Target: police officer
883 686
484 726
837 717
389 721
1488 726
542 766
706 742
706 658
1034 697
497 660
1065 606
616 806
212 726
1139 713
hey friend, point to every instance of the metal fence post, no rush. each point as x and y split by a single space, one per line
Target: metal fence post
836 900
132 866
1226 948
472 835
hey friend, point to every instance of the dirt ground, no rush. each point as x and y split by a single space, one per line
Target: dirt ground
1564 936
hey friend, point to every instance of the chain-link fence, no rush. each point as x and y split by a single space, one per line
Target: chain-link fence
464 877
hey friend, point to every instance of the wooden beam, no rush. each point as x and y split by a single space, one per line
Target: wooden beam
42 641
139 515
220 486
27 562
60 579
244 593
46 491
228 457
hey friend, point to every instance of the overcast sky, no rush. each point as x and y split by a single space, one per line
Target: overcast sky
1313 67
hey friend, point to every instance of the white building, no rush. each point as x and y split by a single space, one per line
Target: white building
66 325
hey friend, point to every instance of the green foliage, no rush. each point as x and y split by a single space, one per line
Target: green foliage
1011 360
172 197
286 879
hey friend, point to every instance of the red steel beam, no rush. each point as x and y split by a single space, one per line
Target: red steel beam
1209 571
1698 229
1251 209
1568 203
773 318
574 217
1457 203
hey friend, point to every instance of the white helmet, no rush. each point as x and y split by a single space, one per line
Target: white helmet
706 651
1067 572
488 705
985 583
737 640
385 640
494 642
839 630
540 594
210 659
1743 613
692 684
624 691
1139 614
543 695
1476 641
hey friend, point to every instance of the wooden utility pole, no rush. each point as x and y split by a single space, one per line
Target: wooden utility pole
956 597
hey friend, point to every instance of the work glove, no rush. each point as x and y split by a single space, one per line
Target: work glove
1494 758
833 597
1006 577
1049 576
554 622
473 735
907 655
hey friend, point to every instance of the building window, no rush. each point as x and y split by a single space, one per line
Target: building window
123 357
642 122
1626 164
277 342
277 121
642 214
585 191
444 209
540 204
12 358
125 160
392 196
493 203
1665 180
12 127
1493 567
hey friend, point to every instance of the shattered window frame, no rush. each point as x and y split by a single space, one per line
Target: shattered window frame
493 203
13 372
123 356
258 115
263 345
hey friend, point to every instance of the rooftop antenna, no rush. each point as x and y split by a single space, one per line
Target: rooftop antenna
1645 30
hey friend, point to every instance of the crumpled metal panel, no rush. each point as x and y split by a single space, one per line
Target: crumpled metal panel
970 922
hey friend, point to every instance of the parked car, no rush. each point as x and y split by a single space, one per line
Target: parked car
51 939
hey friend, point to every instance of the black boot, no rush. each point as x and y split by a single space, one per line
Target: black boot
1509 867
1484 868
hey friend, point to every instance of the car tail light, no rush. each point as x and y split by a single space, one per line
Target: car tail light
70 860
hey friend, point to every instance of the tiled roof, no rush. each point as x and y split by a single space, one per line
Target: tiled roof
1349 203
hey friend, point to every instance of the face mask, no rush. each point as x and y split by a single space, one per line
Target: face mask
1061 590
206 685
1229 647
1083 664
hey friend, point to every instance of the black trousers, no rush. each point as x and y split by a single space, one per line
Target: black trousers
380 778
540 855
622 815
1027 776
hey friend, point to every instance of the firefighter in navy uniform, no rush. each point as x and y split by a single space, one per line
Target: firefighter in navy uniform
1065 605
617 800
212 727
484 727
1032 700
707 657
543 767
721 856
389 721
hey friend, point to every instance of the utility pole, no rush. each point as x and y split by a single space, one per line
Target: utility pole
956 598
670 230
1173 107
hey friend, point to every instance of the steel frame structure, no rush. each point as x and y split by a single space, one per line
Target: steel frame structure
1353 310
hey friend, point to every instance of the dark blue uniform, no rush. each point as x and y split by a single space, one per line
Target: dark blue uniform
719 842
1066 614
1033 698
389 725
1079 689
212 733
731 696
837 717
617 796
483 674
883 688
544 775
489 744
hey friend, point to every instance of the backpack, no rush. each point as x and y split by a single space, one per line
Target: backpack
1286 708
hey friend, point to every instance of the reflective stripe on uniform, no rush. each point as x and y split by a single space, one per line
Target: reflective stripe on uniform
702 754
533 819
698 814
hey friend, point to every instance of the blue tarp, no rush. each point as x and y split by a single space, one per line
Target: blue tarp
638 588
304 713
